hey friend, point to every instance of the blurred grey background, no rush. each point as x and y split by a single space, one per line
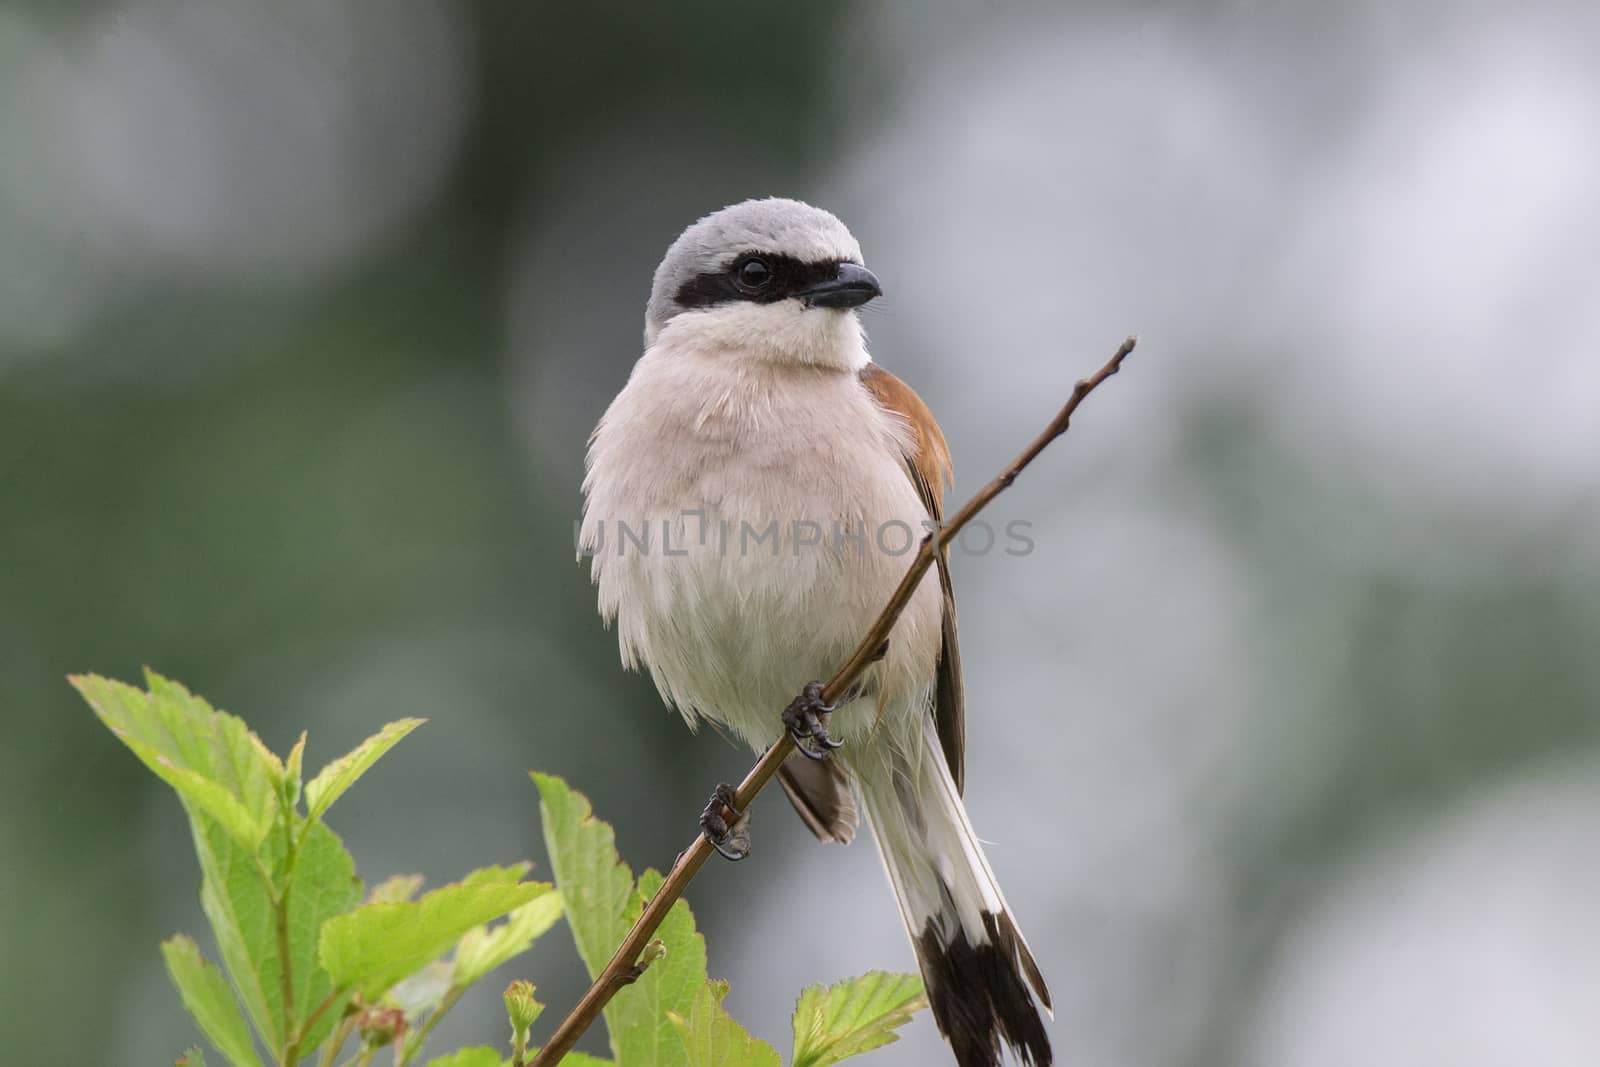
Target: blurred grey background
1287 734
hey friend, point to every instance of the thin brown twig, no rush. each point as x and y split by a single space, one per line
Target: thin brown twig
620 970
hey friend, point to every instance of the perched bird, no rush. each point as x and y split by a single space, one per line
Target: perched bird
752 497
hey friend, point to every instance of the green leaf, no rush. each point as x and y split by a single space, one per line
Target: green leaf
484 1056
395 889
475 1056
853 1016
193 1057
325 886
376 945
216 765
637 1019
601 905
238 903
341 774
575 1059
712 1038
511 872
595 885
201 794
239 797
206 994
483 948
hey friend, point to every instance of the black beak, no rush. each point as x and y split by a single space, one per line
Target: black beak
851 287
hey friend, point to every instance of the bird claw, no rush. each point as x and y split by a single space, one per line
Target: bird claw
725 826
806 719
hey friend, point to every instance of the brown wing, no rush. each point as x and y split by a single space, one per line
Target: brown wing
929 469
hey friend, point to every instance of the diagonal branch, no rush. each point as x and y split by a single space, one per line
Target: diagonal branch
620 970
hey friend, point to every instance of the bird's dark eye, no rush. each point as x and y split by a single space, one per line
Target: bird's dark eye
753 275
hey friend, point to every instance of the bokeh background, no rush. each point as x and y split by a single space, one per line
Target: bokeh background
1287 734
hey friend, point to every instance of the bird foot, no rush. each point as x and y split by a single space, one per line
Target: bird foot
725 826
806 719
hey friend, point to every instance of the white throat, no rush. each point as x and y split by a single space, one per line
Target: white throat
785 331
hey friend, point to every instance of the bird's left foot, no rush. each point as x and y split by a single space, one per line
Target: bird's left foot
725 826
806 719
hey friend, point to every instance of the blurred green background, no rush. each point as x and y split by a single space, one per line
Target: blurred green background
1286 736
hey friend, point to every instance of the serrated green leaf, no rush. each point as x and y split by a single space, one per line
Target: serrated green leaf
209 999
596 886
204 796
234 790
325 886
601 906
475 1056
341 774
376 945
713 1038
638 1016
395 889
853 1016
239 905
240 758
484 1056
483 948
217 766
511 872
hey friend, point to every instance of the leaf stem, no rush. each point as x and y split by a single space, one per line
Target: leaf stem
317 1012
292 1034
291 1040
335 1042
610 979
414 1043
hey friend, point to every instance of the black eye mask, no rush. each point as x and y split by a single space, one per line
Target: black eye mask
785 277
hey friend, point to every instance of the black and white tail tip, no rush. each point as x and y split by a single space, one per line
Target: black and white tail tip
978 995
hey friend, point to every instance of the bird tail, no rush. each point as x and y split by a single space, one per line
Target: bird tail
976 966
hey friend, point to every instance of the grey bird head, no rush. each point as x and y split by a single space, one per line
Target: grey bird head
755 253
